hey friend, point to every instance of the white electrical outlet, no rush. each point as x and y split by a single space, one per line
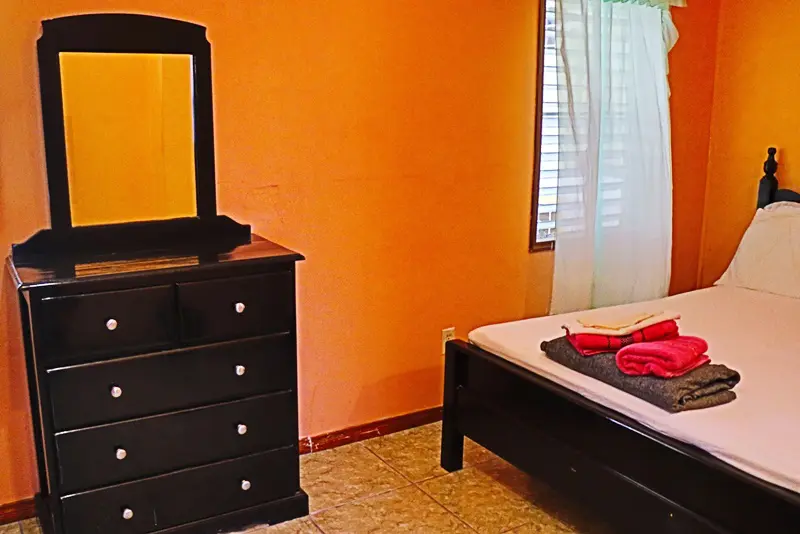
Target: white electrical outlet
448 334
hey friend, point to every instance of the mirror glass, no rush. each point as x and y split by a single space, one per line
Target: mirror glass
129 135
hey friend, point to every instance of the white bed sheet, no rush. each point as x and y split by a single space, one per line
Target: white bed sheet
756 333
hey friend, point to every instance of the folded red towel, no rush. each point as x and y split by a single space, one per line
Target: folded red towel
592 344
668 358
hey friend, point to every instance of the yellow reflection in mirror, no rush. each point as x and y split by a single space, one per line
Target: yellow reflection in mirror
130 139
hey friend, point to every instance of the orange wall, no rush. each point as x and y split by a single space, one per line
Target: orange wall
539 289
755 107
390 142
692 65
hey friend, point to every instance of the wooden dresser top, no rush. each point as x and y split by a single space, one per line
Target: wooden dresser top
70 269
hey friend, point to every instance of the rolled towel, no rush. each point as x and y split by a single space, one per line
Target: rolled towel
708 385
593 344
668 358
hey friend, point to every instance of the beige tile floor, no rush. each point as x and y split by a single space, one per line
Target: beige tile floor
394 484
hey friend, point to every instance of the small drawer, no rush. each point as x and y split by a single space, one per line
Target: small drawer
108 454
237 307
77 326
167 501
84 395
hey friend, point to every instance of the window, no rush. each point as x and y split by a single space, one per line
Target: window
543 206
614 160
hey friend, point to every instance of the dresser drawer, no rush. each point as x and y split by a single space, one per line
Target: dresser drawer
77 326
168 381
237 307
108 454
166 501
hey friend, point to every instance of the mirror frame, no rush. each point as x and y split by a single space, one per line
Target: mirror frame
131 34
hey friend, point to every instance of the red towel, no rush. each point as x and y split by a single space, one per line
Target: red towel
668 359
592 344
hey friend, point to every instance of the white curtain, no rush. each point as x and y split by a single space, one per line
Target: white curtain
614 211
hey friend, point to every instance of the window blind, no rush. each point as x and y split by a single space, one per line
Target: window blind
559 154
548 168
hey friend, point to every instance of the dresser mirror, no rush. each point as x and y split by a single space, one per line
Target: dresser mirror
127 114
128 125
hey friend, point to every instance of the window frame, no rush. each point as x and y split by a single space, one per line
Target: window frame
533 246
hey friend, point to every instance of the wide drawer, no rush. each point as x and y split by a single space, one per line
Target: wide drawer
75 327
169 500
150 446
237 307
84 395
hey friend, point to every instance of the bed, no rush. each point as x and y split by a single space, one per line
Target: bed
729 469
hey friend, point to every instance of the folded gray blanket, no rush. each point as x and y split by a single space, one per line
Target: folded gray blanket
707 386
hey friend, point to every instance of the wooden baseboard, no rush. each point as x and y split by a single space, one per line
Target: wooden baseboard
369 430
17 511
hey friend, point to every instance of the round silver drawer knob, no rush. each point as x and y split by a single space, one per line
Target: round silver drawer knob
239 306
121 454
127 513
116 392
112 324
241 429
245 485
240 370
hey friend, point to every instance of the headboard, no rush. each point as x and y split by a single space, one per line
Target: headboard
768 191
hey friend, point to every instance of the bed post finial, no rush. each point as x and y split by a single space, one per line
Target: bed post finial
771 165
769 184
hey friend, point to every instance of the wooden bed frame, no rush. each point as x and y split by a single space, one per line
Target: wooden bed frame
638 480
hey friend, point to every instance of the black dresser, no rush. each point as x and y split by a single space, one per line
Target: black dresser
164 389
161 352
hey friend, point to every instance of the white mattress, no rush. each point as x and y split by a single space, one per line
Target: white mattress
756 333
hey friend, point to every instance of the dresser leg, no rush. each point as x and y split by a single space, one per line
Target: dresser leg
44 513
